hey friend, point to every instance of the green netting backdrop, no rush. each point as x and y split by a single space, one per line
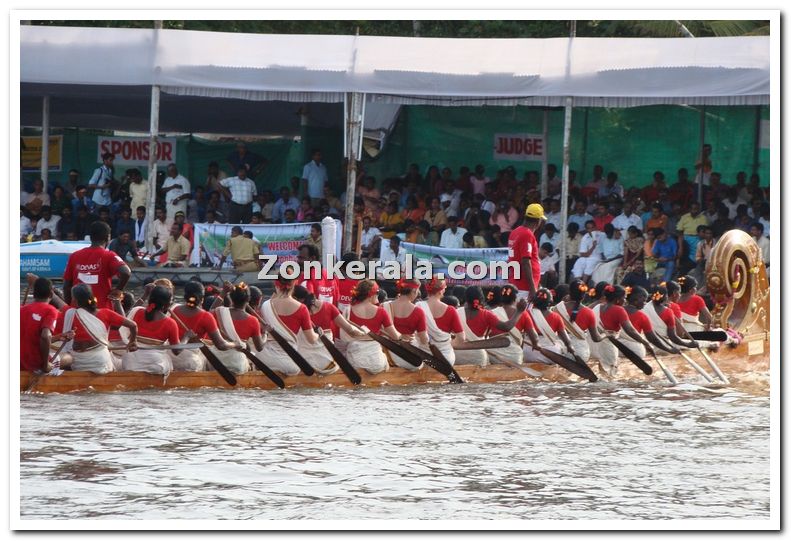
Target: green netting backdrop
635 142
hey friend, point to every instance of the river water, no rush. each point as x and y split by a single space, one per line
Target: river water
508 451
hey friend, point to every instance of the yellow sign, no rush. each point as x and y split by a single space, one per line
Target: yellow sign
31 153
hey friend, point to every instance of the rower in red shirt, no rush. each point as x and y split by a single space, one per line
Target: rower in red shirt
324 314
636 298
37 325
96 266
523 248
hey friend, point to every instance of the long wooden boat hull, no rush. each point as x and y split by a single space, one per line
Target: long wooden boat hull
744 361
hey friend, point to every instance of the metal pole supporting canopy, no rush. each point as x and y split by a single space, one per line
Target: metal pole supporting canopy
45 142
353 126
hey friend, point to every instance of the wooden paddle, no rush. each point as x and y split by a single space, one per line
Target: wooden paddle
298 359
268 372
221 369
709 336
494 342
442 366
709 360
631 355
396 348
443 361
341 360
581 370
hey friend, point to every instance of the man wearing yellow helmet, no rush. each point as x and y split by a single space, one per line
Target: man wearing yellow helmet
523 248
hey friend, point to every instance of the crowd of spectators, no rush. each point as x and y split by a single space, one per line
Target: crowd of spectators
626 234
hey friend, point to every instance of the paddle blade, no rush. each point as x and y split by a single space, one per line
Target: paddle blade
277 380
495 342
632 356
221 369
709 336
341 361
396 348
581 370
444 364
298 359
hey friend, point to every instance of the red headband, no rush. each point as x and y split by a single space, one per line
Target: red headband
434 285
407 284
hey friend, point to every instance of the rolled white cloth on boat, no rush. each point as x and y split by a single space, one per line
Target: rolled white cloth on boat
151 361
366 355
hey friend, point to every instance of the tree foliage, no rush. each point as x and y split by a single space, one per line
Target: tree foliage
451 28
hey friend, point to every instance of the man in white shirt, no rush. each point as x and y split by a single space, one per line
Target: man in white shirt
240 191
450 199
580 216
548 258
161 228
590 253
453 235
627 219
757 232
553 216
176 190
392 251
35 200
102 180
47 221
314 177
141 226
370 237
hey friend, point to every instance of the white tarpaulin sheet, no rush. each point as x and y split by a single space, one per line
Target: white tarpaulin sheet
598 71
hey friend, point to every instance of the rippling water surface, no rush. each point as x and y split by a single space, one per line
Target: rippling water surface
516 451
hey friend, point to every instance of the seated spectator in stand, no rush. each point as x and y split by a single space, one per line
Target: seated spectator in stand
59 201
83 222
35 200
687 229
177 248
125 223
505 217
473 241
47 220
757 233
763 218
603 216
81 198
611 255
479 180
632 252
732 202
493 237
550 235
196 206
453 236
683 190
650 193
265 205
418 233
572 242
649 262
703 251
392 251
211 218
257 218
593 185
450 199
390 221
25 225
46 234
126 249
611 187
187 231
66 224
711 210
214 175
590 253
411 210
305 213
723 223
580 215
548 260
370 195
286 202
437 220
636 276
627 219
314 239
715 191
370 239
743 220
553 216
218 207
665 251
289 216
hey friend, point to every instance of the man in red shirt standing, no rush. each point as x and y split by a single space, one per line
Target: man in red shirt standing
36 324
320 284
96 266
523 248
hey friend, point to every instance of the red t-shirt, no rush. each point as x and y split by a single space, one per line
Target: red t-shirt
668 317
692 305
484 322
345 286
601 221
525 322
585 318
165 329
380 320
33 319
201 323
298 319
449 321
676 309
614 317
323 288
96 267
641 322
325 318
414 322
522 244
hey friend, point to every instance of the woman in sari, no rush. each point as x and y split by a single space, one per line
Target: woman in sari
506 310
664 319
614 319
325 316
549 326
154 328
91 326
442 321
194 321
480 323
408 319
364 353
632 252
580 321
239 328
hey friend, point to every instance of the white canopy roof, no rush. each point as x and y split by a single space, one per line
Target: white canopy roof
595 71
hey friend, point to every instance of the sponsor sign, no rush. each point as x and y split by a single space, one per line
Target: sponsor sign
519 146
135 150
31 153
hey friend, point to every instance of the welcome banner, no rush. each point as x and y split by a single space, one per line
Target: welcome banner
440 258
282 240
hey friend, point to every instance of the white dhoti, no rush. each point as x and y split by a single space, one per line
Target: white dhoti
637 347
189 360
513 352
580 340
585 266
233 359
151 361
367 355
436 336
398 361
692 323
534 356
605 272
607 354
476 357
98 360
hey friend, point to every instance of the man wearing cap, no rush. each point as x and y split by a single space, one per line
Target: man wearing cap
523 248
243 251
